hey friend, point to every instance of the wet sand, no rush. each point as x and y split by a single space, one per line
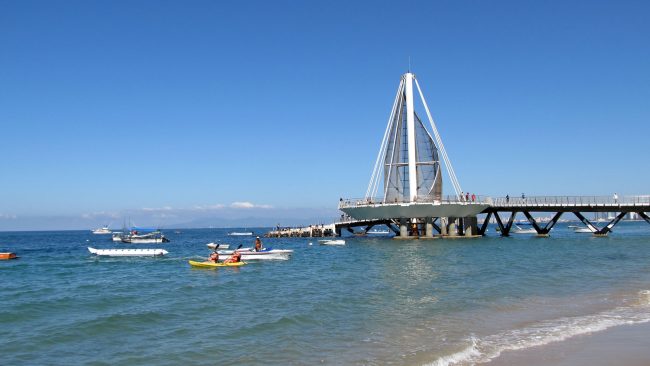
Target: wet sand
626 345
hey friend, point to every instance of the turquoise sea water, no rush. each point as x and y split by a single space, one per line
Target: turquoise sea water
374 301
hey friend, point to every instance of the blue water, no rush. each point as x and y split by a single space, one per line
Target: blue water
373 301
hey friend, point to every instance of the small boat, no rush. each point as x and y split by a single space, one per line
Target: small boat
583 230
378 232
208 264
221 246
117 236
519 230
8 256
241 233
144 236
128 252
103 230
332 242
268 253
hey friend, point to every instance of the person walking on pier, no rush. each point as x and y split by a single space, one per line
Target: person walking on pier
523 198
467 197
615 197
507 198
473 197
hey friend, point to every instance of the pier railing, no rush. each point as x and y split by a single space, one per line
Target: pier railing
571 201
355 202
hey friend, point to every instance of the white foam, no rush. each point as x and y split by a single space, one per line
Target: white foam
544 332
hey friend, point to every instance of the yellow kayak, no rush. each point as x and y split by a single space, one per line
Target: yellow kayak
208 264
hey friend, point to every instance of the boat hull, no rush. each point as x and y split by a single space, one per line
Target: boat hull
275 254
197 264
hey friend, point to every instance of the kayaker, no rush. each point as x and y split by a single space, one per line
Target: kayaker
214 257
258 244
234 258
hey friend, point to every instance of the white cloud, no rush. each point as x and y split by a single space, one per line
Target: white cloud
216 206
149 209
247 205
100 214
8 216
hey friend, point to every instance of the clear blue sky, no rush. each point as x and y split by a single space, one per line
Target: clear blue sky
108 106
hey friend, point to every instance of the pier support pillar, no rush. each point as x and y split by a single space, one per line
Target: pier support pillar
428 228
403 229
470 225
444 226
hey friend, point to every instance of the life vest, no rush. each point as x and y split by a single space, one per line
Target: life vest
214 256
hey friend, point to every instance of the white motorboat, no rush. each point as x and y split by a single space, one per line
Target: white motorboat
241 233
148 237
378 232
102 231
128 252
583 230
221 246
332 242
519 230
117 236
248 254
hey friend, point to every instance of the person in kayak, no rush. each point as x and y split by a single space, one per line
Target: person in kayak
258 244
234 258
214 257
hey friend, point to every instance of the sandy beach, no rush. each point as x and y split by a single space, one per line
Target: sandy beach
627 345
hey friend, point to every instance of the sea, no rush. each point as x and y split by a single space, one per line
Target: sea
374 301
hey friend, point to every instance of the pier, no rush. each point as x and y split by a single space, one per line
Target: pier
405 189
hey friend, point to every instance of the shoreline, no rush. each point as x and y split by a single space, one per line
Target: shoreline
627 344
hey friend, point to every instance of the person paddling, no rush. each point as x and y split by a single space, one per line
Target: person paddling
234 258
214 257
258 244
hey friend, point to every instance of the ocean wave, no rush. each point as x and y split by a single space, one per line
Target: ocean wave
480 350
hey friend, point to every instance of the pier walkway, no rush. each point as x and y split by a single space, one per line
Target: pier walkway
426 214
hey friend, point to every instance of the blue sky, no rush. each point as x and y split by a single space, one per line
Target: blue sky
109 107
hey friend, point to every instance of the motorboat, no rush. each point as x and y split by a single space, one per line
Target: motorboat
221 246
378 232
102 231
520 230
332 242
583 230
144 236
241 233
250 254
117 236
128 252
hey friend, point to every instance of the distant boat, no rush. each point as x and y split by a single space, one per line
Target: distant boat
103 230
241 233
221 246
378 232
332 242
519 230
117 236
144 236
583 230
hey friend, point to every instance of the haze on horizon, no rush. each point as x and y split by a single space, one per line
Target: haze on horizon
257 112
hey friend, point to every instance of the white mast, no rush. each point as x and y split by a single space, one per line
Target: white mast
410 128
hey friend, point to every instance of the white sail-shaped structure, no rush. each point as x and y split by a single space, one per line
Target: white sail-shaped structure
406 181
408 159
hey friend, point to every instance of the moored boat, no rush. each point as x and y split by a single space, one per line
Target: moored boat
221 246
332 242
117 236
241 233
144 236
128 252
103 230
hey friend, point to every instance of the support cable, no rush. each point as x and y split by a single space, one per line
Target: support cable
382 147
450 168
